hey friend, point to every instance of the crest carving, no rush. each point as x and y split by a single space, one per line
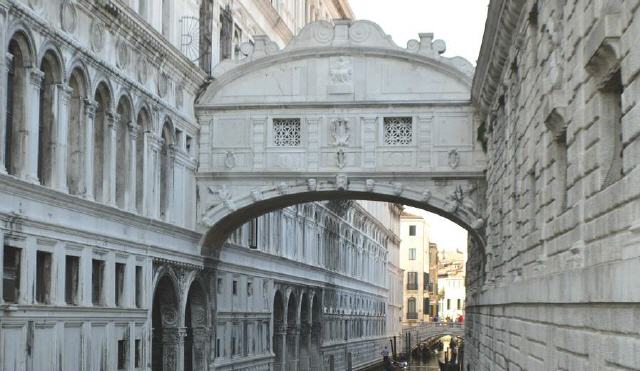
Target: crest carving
68 16
97 35
340 132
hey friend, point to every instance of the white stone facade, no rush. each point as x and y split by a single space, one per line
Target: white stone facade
557 85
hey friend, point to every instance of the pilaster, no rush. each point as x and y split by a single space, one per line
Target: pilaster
28 135
130 193
5 68
110 142
89 106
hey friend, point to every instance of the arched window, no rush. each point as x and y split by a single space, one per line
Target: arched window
14 135
144 123
166 171
122 151
76 133
100 171
50 67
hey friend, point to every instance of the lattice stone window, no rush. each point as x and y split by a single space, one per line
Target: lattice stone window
286 132
398 130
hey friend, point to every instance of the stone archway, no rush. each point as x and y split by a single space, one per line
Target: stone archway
340 113
197 329
166 333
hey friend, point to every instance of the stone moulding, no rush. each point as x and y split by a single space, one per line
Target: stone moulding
602 48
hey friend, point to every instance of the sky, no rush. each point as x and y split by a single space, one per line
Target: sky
460 23
447 234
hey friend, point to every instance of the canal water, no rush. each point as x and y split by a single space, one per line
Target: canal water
425 361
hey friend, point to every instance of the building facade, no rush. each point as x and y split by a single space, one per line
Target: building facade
451 284
419 293
557 87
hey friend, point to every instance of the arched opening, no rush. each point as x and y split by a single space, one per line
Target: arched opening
52 76
164 320
144 123
279 332
122 151
305 333
196 324
101 130
15 131
293 333
166 170
76 145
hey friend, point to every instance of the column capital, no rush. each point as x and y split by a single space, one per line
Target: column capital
36 77
112 118
90 107
133 130
8 62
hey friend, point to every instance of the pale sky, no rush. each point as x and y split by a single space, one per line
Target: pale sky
447 234
460 23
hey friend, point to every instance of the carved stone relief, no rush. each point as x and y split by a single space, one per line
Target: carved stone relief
142 69
340 75
230 160
340 132
97 35
163 84
68 16
179 96
122 53
341 158
454 159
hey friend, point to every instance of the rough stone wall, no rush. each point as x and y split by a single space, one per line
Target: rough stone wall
560 288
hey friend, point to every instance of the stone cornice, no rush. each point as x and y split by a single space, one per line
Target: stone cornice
499 33
275 20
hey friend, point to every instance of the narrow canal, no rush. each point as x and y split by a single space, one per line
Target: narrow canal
426 360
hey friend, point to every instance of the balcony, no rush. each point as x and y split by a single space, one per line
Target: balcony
412 315
412 286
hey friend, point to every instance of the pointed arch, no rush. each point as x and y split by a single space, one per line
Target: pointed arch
164 318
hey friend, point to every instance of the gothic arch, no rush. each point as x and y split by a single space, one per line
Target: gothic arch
165 320
76 132
51 65
22 34
103 98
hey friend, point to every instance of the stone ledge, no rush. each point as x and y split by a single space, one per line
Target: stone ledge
602 47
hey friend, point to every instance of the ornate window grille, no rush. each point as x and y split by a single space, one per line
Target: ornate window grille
287 132
398 130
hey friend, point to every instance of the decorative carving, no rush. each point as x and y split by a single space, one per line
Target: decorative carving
426 196
370 184
224 195
340 132
256 195
229 160
342 182
122 53
478 223
341 70
398 188
359 31
456 200
142 69
163 84
68 16
312 184
283 188
179 96
169 316
323 32
341 158
454 159
97 35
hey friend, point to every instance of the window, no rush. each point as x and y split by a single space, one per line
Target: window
287 132
43 277
411 305
218 351
249 288
219 286
138 354
412 230
97 274
459 304
72 268
448 303
235 287
122 354
120 284
426 304
138 286
398 130
412 280
412 254
611 114
11 274
226 28
253 233
425 281
188 143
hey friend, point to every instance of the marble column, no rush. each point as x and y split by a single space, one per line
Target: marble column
305 347
110 145
171 158
172 343
59 146
130 192
152 198
293 347
279 347
28 135
89 106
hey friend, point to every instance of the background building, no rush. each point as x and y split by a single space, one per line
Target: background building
451 284
418 260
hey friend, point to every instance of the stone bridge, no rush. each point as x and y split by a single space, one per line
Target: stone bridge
430 331
340 113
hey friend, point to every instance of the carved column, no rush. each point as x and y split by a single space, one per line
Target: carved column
130 192
89 115
109 175
279 347
152 183
305 347
7 63
172 342
27 139
293 347
200 341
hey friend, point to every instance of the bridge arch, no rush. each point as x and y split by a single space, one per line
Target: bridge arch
340 113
